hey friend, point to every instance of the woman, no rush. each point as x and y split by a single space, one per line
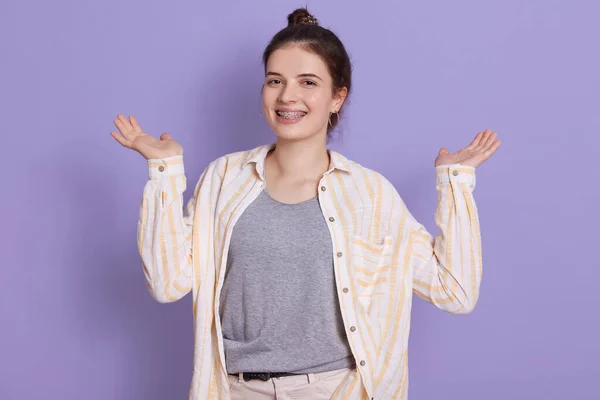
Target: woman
302 263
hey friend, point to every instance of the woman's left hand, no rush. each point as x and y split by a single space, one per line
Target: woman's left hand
481 148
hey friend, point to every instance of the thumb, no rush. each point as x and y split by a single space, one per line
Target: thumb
166 136
444 151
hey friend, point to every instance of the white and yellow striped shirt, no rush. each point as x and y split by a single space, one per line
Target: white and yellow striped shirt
381 256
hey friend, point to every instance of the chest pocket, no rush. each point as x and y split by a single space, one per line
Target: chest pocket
372 267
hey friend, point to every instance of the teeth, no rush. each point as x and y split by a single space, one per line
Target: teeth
290 115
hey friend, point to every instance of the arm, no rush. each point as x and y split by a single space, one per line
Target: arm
165 230
447 269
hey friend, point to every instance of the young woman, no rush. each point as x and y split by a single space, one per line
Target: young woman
302 263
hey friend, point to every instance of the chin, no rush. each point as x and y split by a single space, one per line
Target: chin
294 132
290 133
283 134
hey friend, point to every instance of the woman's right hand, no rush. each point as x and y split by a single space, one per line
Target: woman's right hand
132 137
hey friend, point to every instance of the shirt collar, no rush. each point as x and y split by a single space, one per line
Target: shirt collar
259 154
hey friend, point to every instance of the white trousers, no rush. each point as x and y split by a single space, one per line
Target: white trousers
318 386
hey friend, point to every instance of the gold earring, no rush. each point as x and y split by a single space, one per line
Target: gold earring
329 120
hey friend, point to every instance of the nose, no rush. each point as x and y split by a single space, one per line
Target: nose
288 93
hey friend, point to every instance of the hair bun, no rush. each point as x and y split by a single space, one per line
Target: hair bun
301 16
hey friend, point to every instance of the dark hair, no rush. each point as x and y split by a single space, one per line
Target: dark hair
303 29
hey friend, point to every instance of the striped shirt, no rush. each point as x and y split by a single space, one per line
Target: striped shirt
382 255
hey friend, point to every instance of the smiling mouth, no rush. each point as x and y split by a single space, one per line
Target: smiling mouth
291 114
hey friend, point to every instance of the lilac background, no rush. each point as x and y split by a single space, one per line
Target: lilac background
77 320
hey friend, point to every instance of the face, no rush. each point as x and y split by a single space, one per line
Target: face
297 95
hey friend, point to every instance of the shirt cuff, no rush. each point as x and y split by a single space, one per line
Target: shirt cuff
162 167
455 173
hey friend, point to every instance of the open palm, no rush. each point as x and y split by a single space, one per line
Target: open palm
480 149
130 135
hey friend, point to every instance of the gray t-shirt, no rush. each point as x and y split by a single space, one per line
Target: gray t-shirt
279 305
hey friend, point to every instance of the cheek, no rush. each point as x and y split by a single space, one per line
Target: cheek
269 97
318 103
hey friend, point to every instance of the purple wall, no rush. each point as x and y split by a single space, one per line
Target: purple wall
77 320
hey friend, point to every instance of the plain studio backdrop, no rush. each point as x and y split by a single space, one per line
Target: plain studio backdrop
77 319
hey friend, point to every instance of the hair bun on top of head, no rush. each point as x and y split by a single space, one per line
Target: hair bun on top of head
301 16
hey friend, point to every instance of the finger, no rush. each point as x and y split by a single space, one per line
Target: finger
475 141
119 138
490 140
126 130
166 136
122 129
492 149
125 122
135 124
484 138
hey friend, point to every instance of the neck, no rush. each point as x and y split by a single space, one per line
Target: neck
304 159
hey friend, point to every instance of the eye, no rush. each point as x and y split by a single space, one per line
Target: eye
273 81
310 83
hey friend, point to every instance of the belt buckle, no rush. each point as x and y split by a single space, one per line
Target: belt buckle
263 376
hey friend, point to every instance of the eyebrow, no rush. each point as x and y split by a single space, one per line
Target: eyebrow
307 75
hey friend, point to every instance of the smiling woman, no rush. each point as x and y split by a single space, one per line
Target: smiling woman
291 95
301 262
308 68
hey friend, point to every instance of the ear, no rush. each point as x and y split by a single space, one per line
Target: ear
339 98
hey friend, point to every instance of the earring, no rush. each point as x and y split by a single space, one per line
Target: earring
329 120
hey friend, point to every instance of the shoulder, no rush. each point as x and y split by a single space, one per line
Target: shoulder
235 162
366 188
375 198
369 179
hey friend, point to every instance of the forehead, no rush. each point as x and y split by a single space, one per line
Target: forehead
293 60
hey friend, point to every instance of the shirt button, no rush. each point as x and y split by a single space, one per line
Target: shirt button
339 254
345 290
161 168
323 188
455 172
331 219
363 363
352 328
